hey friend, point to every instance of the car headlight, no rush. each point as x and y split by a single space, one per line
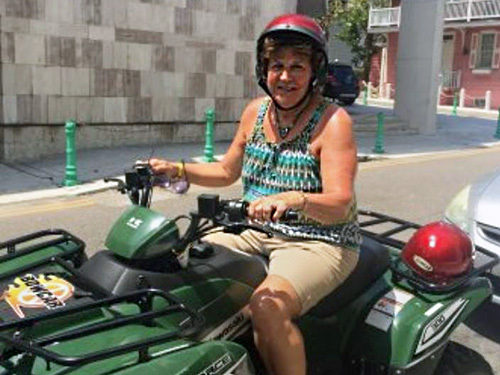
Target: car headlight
243 367
456 212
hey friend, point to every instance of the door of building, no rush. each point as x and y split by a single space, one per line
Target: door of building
447 61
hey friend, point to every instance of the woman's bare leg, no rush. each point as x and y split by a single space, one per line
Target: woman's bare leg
273 306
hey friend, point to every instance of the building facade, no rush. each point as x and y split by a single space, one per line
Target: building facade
128 71
470 61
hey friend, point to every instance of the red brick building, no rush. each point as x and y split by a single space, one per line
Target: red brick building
471 50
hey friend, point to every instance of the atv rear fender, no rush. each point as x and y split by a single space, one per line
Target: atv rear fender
405 329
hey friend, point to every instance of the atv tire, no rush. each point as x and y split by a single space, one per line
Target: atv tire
460 360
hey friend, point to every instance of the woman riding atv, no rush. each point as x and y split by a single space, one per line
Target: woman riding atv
294 149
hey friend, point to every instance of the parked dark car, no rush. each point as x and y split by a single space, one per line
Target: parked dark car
342 84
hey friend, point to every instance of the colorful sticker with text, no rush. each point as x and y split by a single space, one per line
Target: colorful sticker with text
31 292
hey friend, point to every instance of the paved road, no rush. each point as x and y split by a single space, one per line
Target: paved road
417 189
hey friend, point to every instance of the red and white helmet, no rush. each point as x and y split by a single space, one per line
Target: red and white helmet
297 25
438 252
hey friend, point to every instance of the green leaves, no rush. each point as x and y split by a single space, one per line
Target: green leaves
351 19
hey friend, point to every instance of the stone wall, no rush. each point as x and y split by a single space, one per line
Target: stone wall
121 62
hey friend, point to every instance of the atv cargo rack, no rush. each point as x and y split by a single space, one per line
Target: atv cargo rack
39 246
90 298
385 229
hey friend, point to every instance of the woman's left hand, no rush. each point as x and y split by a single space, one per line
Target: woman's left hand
272 207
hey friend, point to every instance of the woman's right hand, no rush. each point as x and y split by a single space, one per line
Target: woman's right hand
161 166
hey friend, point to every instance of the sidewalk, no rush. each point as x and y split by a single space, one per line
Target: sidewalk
43 178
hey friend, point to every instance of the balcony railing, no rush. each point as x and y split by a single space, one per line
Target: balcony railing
450 79
384 17
463 10
468 10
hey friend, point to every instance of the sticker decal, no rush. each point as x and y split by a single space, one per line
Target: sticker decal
134 222
31 292
230 328
422 263
441 324
387 308
217 366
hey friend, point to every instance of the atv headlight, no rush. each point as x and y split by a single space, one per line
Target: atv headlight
456 212
243 367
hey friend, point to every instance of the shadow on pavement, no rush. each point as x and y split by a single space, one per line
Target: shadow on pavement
486 321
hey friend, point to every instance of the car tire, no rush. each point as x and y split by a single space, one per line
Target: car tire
460 360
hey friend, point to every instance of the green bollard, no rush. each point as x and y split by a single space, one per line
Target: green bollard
497 133
209 136
379 136
365 96
455 103
70 175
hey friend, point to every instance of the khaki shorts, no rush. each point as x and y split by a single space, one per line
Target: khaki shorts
313 268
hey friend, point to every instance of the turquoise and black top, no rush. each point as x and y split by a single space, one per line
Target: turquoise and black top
272 168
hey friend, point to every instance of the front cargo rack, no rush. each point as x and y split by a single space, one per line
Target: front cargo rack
391 231
17 331
142 298
40 246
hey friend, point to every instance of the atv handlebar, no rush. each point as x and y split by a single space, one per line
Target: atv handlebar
211 207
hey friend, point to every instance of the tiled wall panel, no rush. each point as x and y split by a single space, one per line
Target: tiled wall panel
128 61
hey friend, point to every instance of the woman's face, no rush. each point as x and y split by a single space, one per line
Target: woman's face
288 75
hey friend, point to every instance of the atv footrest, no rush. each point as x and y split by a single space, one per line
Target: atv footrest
143 299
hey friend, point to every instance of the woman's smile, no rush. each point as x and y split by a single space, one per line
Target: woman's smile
289 75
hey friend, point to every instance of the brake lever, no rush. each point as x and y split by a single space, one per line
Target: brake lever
121 184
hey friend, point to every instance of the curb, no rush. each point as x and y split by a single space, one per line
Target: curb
99 185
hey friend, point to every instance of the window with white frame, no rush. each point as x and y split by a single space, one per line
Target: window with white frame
485 51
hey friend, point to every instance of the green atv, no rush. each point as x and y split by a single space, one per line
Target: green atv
161 302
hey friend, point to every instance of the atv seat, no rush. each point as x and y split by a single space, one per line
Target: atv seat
373 262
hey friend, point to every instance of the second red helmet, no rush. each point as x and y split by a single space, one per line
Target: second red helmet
439 252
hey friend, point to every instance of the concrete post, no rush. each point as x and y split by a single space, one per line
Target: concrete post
440 91
487 100
387 90
462 98
418 62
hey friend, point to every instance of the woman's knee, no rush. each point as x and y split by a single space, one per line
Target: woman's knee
270 310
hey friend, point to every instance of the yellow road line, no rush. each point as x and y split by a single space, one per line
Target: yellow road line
49 207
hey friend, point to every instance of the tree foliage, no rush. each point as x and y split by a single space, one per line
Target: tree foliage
351 23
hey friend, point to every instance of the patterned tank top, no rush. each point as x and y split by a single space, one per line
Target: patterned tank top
271 168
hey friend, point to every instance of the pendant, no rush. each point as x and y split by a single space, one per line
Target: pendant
283 132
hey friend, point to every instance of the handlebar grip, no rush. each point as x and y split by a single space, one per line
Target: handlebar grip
237 211
290 215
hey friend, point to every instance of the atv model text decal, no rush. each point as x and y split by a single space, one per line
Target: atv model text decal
230 328
134 223
33 292
217 366
440 325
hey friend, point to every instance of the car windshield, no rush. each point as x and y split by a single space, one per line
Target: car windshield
343 74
